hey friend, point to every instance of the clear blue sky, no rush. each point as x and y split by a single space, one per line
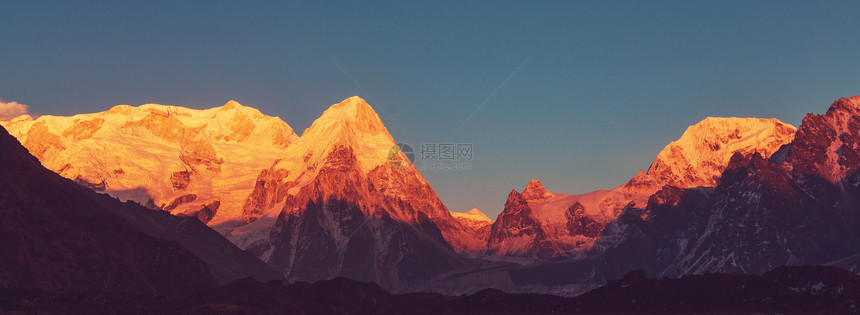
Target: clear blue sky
580 95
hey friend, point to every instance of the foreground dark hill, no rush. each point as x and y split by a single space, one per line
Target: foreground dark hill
825 290
58 235
225 261
53 235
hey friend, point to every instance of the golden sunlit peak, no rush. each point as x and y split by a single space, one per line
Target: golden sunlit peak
351 102
474 215
535 184
353 111
231 105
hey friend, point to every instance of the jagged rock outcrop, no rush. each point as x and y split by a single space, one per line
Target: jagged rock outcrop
554 224
578 223
516 230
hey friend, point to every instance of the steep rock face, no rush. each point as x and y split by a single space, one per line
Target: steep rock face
825 157
336 238
516 231
56 235
157 154
572 223
342 189
761 219
578 223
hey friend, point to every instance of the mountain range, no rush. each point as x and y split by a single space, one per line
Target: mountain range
182 160
731 195
539 222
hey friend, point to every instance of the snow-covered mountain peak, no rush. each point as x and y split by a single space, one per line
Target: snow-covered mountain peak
473 215
352 115
180 159
703 151
231 105
350 125
22 118
344 200
347 143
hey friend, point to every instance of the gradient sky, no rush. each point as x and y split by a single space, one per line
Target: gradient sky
580 95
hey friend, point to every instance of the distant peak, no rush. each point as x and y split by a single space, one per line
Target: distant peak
121 109
735 121
474 214
21 118
353 107
535 191
534 184
474 211
352 101
355 114
231 105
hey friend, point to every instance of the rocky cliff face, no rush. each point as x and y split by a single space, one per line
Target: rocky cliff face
759 218
516 230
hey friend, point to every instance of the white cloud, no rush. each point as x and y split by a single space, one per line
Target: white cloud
11 110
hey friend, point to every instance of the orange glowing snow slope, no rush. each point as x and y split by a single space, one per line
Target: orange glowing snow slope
161 155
